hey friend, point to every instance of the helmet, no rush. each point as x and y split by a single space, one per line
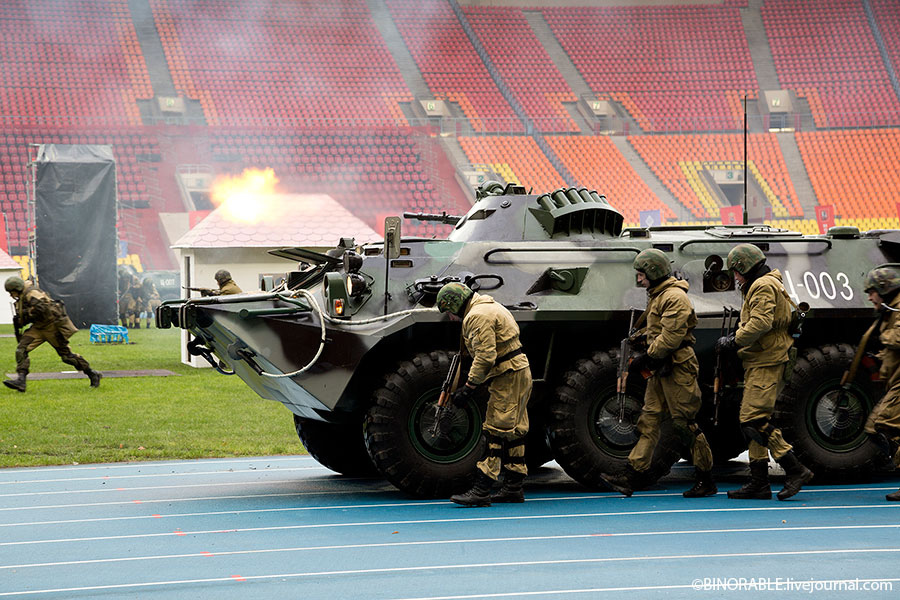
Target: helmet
744 257
222 276
883 280
653 263
15 284
453 298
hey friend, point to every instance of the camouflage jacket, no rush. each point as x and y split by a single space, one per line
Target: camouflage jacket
889 335
228 288
38 308
670 321
489 331
762 337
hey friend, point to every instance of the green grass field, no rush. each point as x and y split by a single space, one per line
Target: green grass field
196 414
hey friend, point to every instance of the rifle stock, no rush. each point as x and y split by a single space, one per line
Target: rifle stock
446 390
622 374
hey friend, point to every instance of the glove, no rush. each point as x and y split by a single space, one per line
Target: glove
639 342
644 362
462 396
726 343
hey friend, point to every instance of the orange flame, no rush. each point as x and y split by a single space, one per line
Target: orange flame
245 198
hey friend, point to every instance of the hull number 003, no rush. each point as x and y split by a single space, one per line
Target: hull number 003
819 285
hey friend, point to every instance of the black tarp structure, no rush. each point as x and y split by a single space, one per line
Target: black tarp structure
75 241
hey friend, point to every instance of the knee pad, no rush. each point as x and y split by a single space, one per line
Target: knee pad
758 431
686 431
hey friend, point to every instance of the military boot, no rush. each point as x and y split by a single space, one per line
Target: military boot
479 495
703 486
758 486
511 490
18 383
94 376
624 482
796 475
894 496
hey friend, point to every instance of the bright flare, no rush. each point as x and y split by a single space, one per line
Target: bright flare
247 198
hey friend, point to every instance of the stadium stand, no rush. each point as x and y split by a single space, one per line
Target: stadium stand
515 158
70 62
597 160
826 52
856 171
451 67
524 65
265 62
685 82
677 160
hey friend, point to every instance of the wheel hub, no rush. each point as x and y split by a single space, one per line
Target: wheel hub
838 418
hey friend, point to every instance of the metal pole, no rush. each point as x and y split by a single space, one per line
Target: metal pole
745 159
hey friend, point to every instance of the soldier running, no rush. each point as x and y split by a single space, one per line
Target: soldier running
763 343
49 323
491 336
883 425
672 387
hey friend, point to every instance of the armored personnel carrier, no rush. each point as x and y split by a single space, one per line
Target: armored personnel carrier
351 344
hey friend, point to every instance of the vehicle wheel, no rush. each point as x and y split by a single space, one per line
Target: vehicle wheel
824 425
337 446
398 431
586 436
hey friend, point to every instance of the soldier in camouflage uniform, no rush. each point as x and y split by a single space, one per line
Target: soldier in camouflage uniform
883 425
129 299
763 343
49 323
491 336
672 389
148 298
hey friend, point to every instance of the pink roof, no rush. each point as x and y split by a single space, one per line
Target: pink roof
7 262
305 220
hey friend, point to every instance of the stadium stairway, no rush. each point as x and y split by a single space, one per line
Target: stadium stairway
797 171
381 16
763 63
649 177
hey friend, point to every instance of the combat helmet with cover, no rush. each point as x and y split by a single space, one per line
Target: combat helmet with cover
222 276
653 263
884 280
453 298
15 284
744 257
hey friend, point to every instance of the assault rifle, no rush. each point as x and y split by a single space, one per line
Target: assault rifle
843 401
447 389
719 372
624 358
17 325
203 291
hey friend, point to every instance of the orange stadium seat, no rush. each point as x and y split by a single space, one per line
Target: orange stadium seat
516 159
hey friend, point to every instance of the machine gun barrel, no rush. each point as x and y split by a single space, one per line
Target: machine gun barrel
438 218
203 291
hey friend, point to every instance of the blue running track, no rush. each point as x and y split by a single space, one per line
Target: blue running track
285 527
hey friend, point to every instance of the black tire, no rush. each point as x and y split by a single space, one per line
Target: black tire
725 439
828 440
339 447
537 442
398 436
585 434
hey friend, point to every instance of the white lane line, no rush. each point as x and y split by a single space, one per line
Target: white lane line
504 540
237 511
142 464
176 487
177 474
495 565
445 521
833 583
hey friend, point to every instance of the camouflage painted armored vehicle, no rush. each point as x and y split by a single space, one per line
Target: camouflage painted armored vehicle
353 346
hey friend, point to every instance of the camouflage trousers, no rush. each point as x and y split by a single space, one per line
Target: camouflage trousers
676 395
885 418
56 337
506 423
761 388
